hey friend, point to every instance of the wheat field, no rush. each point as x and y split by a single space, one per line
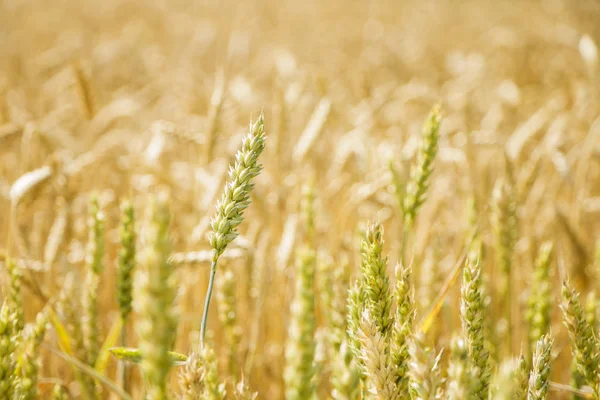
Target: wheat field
393 200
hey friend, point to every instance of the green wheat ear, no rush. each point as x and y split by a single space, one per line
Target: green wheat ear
95 266
403 325
421 172
126 262
156 291
374 274
235 199
125 267
300 349
472 316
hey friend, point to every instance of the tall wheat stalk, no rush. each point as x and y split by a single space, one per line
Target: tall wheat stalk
235 199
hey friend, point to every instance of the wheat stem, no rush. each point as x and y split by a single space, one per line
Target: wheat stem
211 282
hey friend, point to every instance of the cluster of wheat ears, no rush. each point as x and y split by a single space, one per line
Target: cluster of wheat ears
413 211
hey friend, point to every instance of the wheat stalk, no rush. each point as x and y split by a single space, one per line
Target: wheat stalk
235 199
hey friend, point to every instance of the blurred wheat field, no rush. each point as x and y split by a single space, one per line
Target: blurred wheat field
373 241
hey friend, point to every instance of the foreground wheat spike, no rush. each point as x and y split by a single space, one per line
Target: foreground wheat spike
373 267
504 221
459 374
403 326
421 171
472 317
95 266
7 348
539 304
584 343
375 356
235 199
424 370
156 291
300 347
538 381
199 377
29 363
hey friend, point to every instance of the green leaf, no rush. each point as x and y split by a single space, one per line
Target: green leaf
64 341
86 369
439 300
109 342
133 355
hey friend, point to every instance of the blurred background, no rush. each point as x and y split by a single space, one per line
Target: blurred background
128 98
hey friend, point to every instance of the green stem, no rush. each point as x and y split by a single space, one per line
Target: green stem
405 231
213 269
